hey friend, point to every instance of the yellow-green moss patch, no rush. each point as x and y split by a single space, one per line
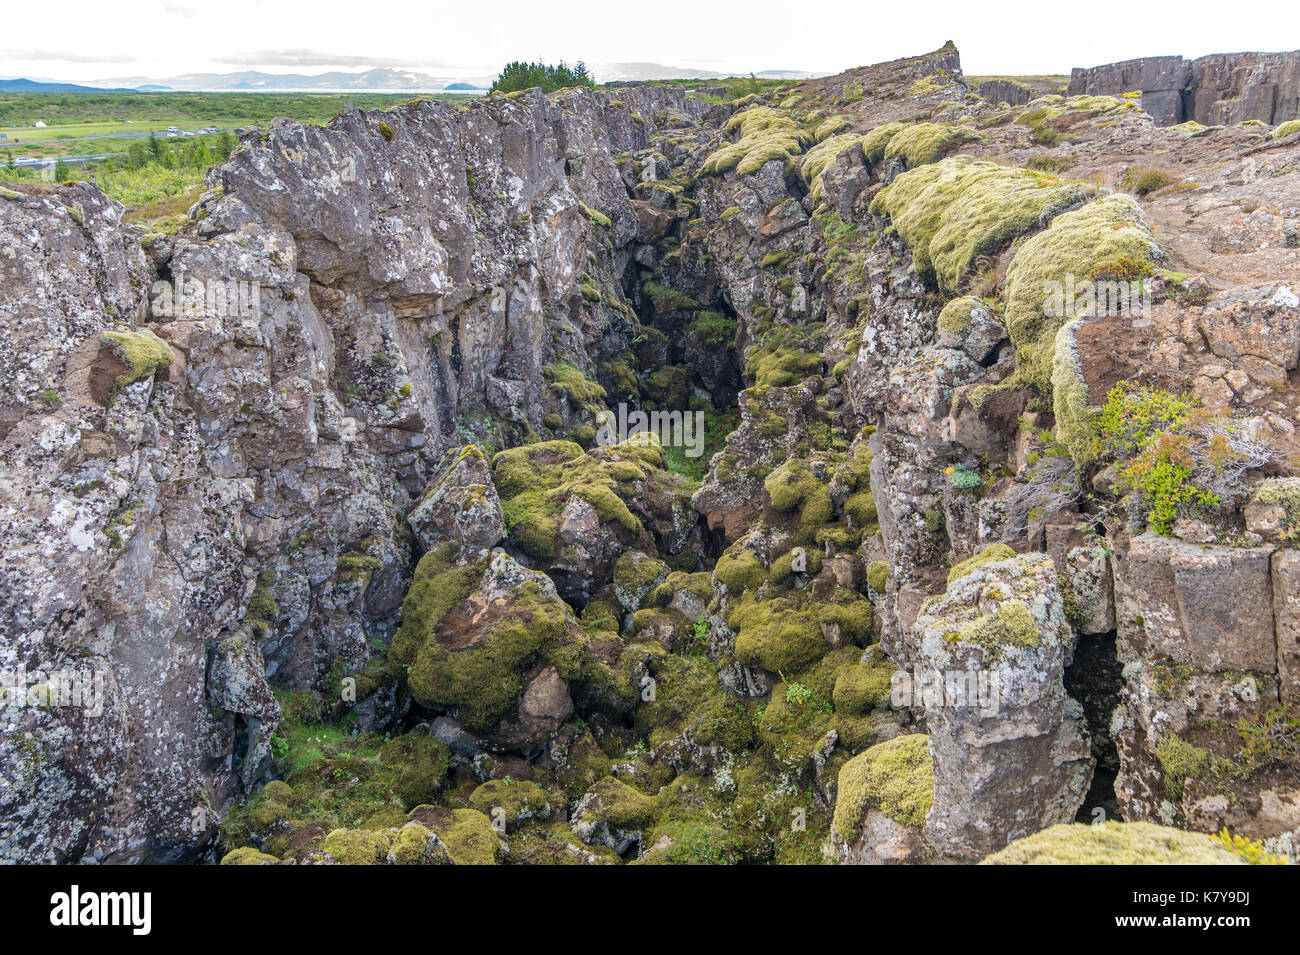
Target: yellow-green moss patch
951 212
896 777
765 134
990 554
143 352
1114 843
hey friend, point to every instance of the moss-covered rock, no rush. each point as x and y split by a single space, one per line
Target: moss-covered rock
418 764
989 555
143 353
466 834
635 575
739 569
613 814
411 846
876 142
1110 232
358 846
952 212
765 134
478 666
247 855
922 143
1115 843
895 777
514 801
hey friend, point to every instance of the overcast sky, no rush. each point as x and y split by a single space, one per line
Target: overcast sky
95 39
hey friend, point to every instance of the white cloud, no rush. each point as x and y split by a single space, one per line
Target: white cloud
1016 36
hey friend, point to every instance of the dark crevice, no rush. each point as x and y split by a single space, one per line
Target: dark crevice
1094 679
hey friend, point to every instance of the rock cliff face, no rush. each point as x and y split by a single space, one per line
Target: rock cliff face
334 484
1218 90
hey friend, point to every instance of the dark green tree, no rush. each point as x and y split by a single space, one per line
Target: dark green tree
521 75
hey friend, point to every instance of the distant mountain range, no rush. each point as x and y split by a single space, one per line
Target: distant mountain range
32 86
254 81
384 80
624 72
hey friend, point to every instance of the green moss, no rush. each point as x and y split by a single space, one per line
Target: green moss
693 841
878 574
635 575
143 352
780 367
597 218
354 565
861 507
990 554
1061 256
357 847
484 682
785 633
876 142
667 299
765 134
739 569
516 801
621 379
714 329
923 143
863 687
620 806
896 777
690 704
261 613
418 764
955 316
1114 843
1054 105
1285 129
1181 761
1075 418
410 844
774 639
697 584
535 481
783 567
386 131
437 585
790 485
247 855
1011 625
819 157
952 212
567 379
469 838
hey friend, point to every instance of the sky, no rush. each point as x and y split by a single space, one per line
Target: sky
96 40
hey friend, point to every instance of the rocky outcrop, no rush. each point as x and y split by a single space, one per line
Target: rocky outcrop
1218 90
351 300
1011 751
1202 648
